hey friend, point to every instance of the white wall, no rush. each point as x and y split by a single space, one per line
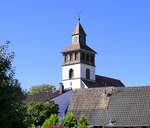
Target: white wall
76 68
79 72
63 101
73 83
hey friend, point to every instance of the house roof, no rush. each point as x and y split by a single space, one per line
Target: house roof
122 106
44 96
102 81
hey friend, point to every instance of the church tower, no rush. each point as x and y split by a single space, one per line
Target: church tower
79 61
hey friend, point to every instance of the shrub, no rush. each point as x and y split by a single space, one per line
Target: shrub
70 120
52 120
83 123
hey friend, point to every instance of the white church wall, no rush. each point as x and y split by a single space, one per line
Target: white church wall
65 71
63 101
79 72
73 83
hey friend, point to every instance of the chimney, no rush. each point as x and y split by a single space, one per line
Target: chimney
61 88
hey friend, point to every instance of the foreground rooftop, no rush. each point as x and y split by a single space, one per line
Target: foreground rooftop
116 106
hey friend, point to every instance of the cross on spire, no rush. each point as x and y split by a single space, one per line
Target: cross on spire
79 16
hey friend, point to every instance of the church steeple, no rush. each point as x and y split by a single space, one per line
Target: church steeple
79 60
79 35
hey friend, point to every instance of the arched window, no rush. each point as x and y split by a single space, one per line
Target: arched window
71 73
87 73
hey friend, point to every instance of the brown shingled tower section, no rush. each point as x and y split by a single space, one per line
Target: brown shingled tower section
79 30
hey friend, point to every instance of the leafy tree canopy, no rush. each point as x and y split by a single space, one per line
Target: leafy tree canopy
42 87
52 120
83 122
40 111
12 111
70 120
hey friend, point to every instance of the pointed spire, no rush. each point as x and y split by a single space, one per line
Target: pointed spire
79 29
79 18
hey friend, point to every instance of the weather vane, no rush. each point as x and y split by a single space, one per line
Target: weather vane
79 15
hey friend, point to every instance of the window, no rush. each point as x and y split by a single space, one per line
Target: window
82 56
71 73
92 59
71 58
68 57
65 58
76 56
87 58
87 73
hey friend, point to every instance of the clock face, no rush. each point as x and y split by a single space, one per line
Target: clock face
75 39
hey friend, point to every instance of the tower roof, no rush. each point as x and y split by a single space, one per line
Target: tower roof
79 29
80 45
75 47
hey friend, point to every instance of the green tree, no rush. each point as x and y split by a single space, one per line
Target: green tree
70 120
42 87
52 120
83 122
12 110
40 111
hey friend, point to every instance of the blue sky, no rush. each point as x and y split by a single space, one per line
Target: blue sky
119 30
